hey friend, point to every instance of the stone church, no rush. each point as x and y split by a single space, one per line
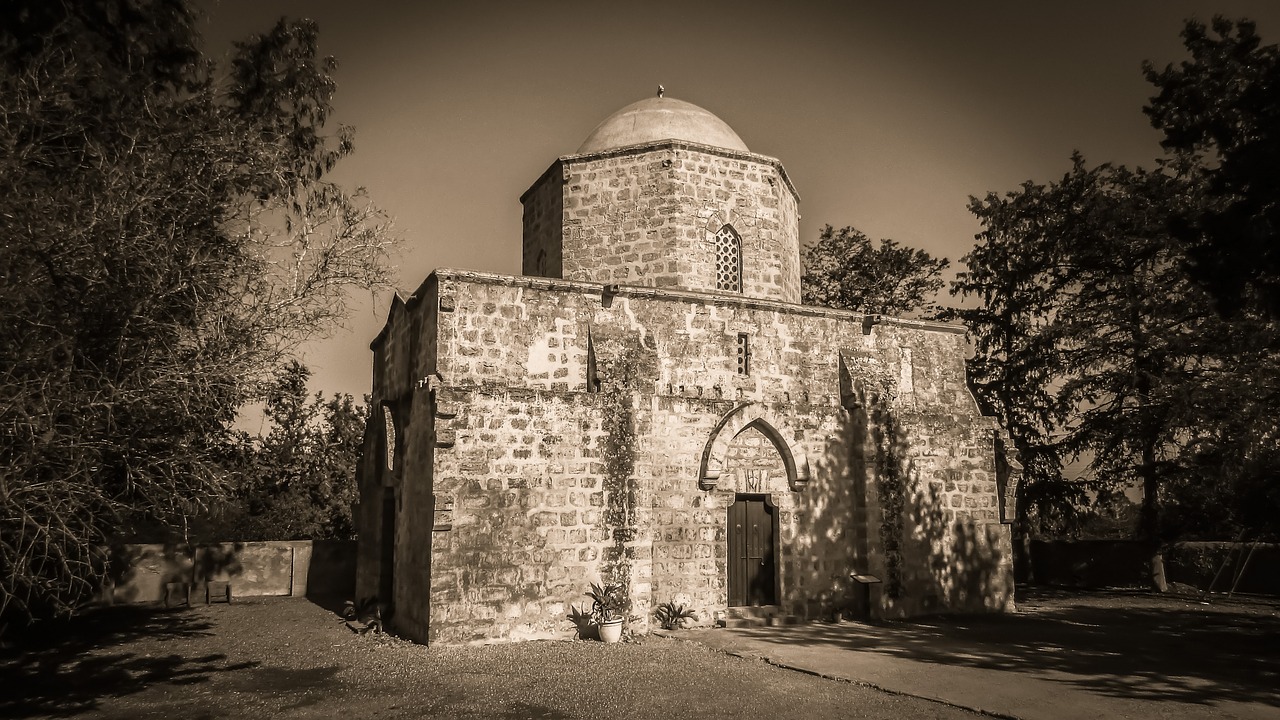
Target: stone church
649 404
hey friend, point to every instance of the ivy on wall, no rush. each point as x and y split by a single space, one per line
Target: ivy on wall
891 484
619 459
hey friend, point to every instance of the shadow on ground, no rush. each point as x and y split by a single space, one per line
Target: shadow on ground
69 667
1158 651
332 602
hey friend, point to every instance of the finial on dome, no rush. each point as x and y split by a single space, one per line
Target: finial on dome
661 90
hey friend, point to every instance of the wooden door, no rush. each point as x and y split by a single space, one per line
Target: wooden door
752 566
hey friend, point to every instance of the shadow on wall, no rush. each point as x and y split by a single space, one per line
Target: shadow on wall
319 569
832 532
331 573
869 513
141 573
967 572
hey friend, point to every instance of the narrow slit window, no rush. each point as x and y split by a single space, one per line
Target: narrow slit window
390 437
593 374
744 355
728 260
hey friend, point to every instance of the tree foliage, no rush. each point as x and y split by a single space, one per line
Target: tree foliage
1106 329
298 481
845 270
169 236
1090 331
1219 111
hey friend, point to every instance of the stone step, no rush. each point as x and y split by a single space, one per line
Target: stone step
761 622
759 616
754 611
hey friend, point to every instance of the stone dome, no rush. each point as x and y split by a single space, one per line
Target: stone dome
661 118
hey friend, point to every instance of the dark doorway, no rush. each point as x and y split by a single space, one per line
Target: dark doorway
386 574
753 575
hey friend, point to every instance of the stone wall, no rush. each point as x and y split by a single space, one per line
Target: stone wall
541 249
293 568
561 433
648 216
525 477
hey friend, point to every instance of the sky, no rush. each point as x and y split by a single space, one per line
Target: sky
887 116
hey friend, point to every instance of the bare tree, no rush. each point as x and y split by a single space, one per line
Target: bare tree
168 237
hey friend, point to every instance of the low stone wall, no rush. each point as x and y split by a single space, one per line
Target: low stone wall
298 568
1124 563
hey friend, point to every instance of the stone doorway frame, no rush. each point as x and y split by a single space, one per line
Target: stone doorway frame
735 421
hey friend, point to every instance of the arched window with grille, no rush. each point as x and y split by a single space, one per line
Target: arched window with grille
728 260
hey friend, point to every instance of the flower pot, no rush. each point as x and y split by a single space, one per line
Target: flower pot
611 630
588 631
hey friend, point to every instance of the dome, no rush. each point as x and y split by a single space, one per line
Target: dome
661 118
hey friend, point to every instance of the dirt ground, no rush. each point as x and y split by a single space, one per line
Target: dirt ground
294 659
286 658
1063 656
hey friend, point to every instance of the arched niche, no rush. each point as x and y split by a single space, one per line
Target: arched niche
735 421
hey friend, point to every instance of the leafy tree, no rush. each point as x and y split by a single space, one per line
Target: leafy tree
1110 334
1233 448
1096 335
169 237
1219 111
845 270
298 481
1012 371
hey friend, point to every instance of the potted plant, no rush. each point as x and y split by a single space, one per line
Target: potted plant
672 616
583 621
609 605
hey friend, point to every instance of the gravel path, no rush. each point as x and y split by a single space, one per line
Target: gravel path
285 658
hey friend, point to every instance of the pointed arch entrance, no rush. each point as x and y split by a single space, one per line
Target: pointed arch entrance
749 459
794 460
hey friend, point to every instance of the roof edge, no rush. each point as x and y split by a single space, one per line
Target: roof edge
644 291
664 145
